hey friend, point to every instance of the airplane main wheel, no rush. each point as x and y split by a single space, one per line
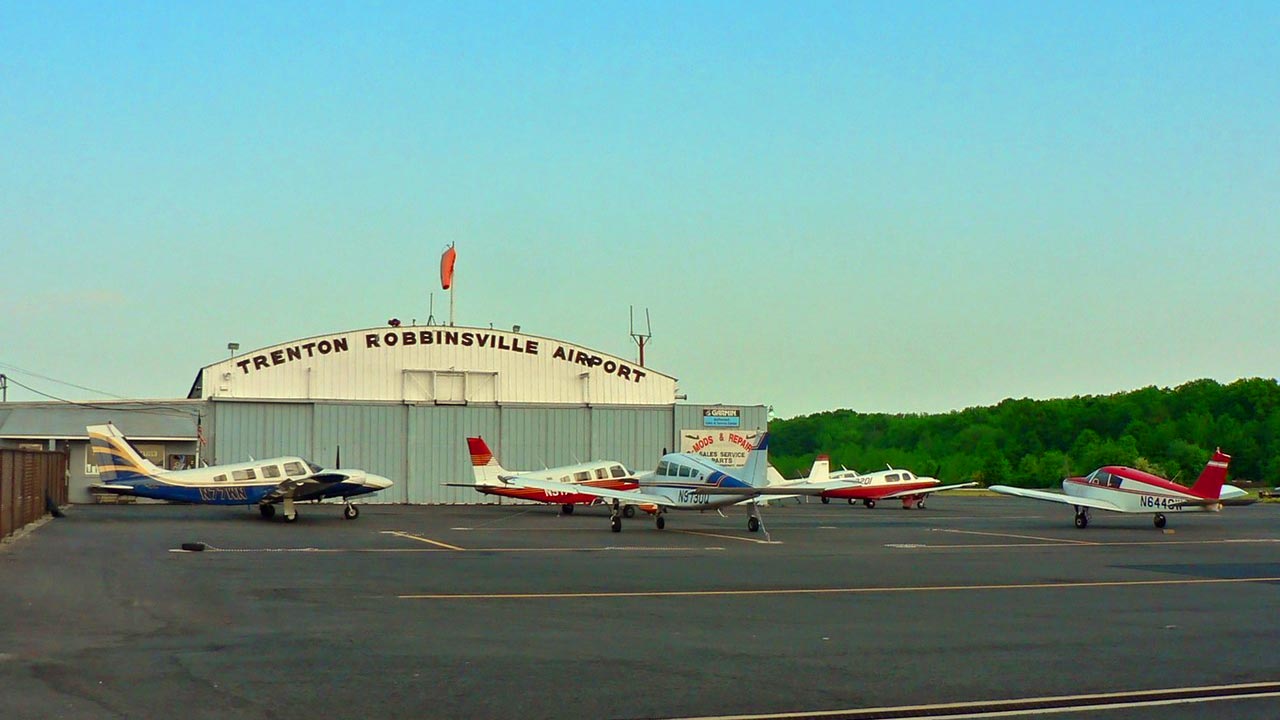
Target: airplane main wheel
291 518
567 509
1160 520
753 524
350 512
629 511
1082 520
920 504
852 501
871 504
660 522
826 500
615 524
267 511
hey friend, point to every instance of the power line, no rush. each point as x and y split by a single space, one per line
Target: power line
143 408
32 373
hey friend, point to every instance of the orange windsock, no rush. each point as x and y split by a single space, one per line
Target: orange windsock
446 267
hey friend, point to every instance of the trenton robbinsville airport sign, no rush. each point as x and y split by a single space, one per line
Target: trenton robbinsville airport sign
453 365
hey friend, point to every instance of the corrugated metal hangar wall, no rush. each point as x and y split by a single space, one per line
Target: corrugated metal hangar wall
422 447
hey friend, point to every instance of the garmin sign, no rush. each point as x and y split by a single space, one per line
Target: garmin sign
721 418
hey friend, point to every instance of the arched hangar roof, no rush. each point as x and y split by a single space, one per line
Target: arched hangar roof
434 364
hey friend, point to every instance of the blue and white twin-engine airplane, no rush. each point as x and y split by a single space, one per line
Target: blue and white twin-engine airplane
682 481
265 483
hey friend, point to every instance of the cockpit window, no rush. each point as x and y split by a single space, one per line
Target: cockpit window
315 469
618 471
662 467
294 469
685 471
891 477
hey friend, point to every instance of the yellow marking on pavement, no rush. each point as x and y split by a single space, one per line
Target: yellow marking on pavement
830 591
728 537
1011 535
419 538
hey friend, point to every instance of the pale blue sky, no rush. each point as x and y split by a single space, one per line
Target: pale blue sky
884 206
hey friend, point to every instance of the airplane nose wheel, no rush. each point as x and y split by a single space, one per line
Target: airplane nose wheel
1160 520
350 512
871 504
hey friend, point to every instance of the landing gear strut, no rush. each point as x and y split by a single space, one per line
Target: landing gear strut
290 515
615 517
1082 518
1159 520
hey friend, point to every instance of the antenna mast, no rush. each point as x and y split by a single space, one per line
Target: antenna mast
641 339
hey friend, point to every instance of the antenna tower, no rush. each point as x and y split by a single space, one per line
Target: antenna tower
641 339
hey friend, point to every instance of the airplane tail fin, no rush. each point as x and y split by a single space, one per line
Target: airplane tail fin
821 470
756 471
119 463
1209 484
484 466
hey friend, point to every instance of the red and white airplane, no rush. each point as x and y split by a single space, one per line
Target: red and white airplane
492 479
1126 490
853 486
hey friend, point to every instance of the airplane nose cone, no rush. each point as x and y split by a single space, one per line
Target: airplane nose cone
377 482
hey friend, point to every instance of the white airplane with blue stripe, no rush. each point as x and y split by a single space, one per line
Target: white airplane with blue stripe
265 483
682 481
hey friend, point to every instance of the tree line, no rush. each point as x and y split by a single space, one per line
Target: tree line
1170 432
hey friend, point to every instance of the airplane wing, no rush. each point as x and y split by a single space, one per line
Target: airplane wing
926 491
628 497
783 490
303 488
1056 497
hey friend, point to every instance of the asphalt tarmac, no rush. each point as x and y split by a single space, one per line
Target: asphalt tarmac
991 607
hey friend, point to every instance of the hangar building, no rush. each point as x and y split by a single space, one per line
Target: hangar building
400 401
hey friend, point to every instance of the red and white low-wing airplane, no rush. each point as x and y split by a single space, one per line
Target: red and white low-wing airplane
563 483
853 486
1126 490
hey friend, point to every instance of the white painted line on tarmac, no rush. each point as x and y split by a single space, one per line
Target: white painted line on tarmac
832 591
1031 706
